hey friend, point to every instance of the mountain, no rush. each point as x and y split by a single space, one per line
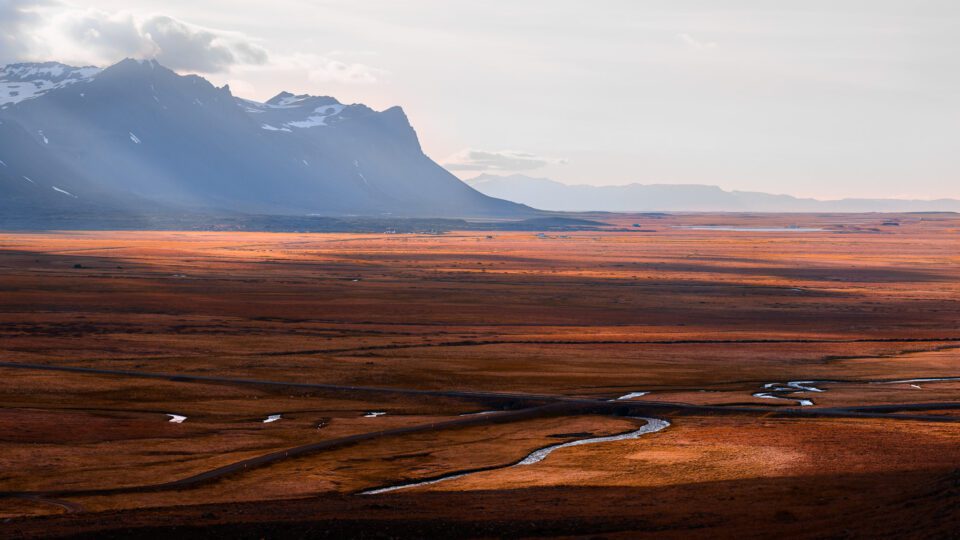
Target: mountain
551 195
24 81
137 138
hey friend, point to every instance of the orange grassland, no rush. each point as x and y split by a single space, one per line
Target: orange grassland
699 317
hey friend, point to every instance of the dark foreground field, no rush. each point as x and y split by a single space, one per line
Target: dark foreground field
810 378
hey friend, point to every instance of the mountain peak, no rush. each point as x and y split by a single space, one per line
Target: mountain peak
133 65
288 100
280 98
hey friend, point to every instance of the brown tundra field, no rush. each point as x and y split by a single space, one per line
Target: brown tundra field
717 376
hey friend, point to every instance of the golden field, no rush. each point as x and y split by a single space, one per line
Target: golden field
230 328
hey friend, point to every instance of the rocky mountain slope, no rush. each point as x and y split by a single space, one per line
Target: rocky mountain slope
137 138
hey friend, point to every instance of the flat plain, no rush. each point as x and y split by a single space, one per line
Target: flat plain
808 366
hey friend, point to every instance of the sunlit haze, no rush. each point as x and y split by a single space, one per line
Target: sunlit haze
838 98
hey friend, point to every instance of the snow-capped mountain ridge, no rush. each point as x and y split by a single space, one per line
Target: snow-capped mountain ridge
19 82
50 71
22 81
138 135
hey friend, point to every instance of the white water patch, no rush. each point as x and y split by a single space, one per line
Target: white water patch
268 127
631 395
134 138
272 418
43 137
784 391
27 178
2 163
920 380
65 192
767 395
374 414
652 425
478 413
804 386
176 418
776 390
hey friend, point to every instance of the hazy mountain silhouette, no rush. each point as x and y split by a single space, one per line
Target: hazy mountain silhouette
547 194
137 137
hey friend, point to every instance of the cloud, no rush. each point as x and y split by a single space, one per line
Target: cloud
100 35
331 70
187 47
502 160
32 29
324 68
40 30
694 43
16 17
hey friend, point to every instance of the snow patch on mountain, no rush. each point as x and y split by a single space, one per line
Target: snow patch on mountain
19 82
319 118
285 111
65 192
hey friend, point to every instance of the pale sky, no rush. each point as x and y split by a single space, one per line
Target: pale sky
822 98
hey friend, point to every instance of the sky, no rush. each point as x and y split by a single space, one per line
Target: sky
815 98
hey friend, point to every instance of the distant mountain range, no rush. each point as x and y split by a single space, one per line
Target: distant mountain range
551 195
137 138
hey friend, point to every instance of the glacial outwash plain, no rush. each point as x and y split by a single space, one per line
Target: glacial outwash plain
706 375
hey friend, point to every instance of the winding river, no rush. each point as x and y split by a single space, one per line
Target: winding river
652 425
